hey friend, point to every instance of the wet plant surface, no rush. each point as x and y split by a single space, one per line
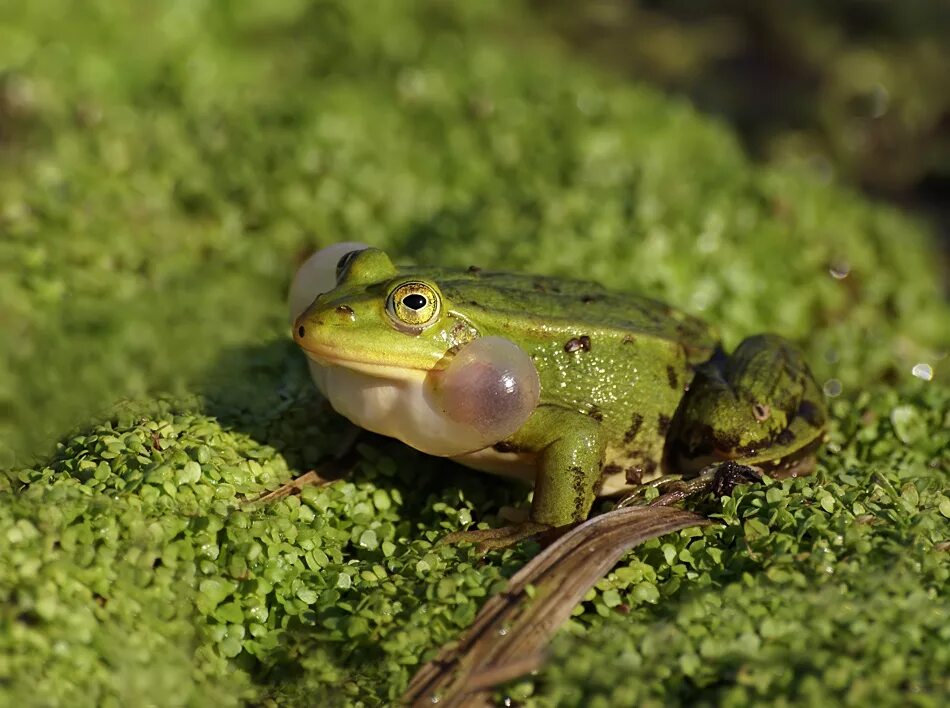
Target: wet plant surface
154 199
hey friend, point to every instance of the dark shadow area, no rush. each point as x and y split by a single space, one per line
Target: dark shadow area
850 87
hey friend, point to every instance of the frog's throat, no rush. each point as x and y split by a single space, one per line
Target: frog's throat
397 406
327 356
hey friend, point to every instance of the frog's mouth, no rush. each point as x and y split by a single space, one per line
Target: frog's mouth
326 355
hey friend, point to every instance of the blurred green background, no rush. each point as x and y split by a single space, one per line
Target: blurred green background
164 167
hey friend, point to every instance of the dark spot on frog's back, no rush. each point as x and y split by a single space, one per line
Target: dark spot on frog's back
663 424
635 424
542 285
577 344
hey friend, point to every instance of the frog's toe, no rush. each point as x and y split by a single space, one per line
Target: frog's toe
730 475
490 539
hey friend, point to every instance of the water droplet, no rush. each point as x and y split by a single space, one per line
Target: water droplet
923 371
503 632
839 270
832 388
435 698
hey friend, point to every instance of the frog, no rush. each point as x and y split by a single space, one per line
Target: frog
577 390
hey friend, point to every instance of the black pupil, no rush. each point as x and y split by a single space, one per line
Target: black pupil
414 301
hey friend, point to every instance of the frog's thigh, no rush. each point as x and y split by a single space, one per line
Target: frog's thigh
760 405
568 470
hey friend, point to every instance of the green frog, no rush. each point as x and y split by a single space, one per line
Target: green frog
578 390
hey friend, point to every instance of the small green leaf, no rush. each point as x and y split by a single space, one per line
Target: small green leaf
189 473
368 540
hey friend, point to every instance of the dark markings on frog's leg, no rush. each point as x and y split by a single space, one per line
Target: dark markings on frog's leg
671 378
634 428
811 412
579 484
663 424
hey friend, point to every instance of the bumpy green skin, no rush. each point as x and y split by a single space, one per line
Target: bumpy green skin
630 387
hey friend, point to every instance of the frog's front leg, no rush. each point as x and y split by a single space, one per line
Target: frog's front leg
571 453
759 407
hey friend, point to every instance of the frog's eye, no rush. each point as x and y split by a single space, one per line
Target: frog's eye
413 306
318 275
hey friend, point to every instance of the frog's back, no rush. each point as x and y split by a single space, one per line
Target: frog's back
561 305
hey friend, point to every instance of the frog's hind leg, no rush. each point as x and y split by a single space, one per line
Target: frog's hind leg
759 407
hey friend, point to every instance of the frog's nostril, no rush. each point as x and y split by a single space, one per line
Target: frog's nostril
300 331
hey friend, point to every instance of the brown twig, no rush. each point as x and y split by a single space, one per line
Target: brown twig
511 631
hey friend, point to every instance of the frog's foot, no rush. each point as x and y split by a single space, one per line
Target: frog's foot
729 475
759 406
490 539
718 479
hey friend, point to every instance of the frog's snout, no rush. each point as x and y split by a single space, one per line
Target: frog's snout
314 321
304 326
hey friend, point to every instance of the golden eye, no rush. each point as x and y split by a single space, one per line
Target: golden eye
413 306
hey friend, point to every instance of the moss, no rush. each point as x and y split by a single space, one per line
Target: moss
161 169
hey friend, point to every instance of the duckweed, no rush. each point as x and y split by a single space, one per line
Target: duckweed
154 196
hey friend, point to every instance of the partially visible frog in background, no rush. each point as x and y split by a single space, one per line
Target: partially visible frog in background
564 384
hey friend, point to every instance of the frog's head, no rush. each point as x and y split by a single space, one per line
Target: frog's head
380 320
391 353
